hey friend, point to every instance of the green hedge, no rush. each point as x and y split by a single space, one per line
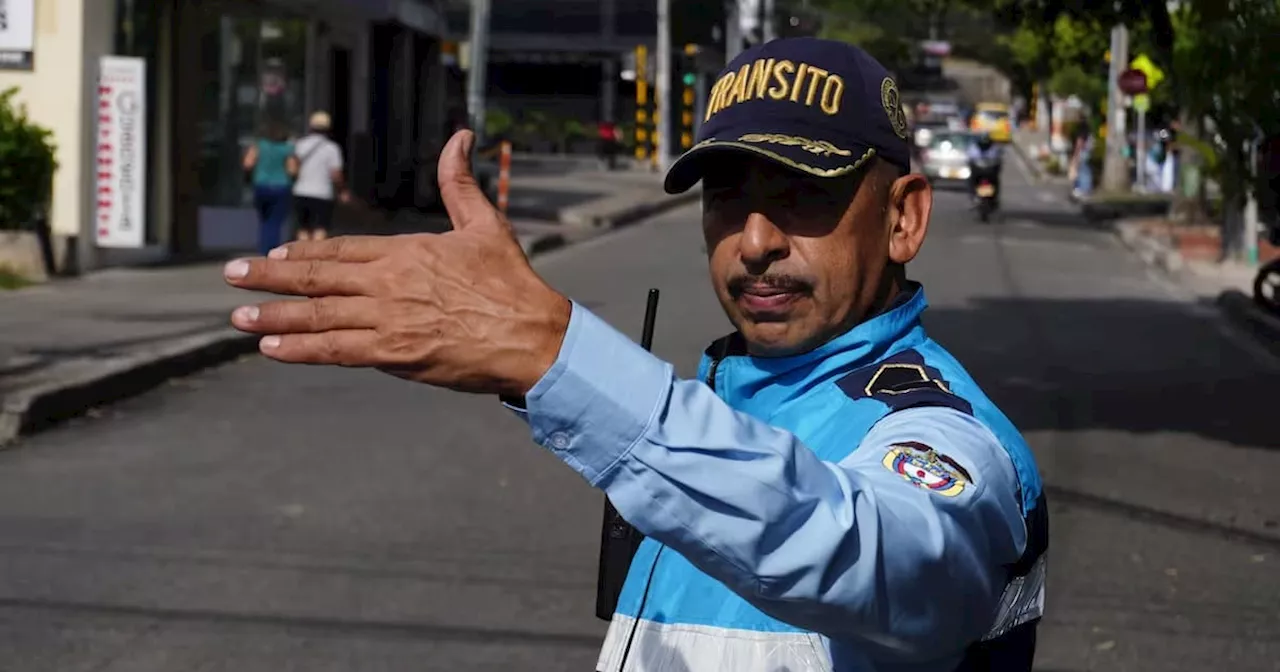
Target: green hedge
27 165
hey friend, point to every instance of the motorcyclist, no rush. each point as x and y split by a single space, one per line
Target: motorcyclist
984 150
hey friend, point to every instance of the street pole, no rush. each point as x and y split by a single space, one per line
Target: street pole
662 86
479 66
767 27
609 74
732 30
1115 173
1140 150
1251 227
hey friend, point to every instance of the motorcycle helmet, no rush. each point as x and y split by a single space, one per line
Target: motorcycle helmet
984 141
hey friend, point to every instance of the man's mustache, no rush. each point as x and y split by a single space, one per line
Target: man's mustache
776 282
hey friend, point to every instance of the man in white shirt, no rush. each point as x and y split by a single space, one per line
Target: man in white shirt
318 169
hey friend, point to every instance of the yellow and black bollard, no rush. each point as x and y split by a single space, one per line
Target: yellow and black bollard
642 103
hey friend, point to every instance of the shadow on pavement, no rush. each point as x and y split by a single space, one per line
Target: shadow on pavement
1130 365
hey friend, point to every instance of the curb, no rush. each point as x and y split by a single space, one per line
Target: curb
1241 310
69 389
1152 251
1032 166
541 243
586 216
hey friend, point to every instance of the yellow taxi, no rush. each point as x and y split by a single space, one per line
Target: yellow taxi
992 119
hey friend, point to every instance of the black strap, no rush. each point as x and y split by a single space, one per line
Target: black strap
315 148
1013 651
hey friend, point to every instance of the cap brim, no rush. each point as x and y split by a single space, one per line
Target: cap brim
809 157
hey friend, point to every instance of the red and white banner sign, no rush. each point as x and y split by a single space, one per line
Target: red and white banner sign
122 151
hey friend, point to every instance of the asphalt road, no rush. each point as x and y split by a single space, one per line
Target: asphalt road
258 517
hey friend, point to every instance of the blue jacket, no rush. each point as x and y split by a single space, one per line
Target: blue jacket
859 507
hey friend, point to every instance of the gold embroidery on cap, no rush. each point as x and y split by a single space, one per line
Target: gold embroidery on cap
803 167
819 147
892 101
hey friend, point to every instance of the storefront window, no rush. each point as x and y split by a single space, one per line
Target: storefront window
253 69
138 35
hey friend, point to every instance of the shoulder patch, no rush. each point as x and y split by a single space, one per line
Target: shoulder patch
903 381
923 467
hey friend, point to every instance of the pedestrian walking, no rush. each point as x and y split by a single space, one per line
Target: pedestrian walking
607 138
266 163
1081 150
318 164
834 491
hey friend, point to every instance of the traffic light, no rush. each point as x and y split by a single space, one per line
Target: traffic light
689 66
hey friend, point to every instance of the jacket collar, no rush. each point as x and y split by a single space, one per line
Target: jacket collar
775 380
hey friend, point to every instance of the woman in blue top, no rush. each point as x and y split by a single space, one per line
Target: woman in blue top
267 160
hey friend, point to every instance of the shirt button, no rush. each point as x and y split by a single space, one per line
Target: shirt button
559 440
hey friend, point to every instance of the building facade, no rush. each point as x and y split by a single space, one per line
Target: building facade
216 72
572 61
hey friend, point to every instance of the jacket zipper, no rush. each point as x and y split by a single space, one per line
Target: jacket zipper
644 598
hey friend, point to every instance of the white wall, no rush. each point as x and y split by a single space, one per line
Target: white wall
54 95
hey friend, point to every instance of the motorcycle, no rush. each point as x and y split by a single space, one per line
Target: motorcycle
1266 287
1266 284
984 175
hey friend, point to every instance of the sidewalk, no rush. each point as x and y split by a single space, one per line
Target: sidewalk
585 198
1189 255
1032 146
71 345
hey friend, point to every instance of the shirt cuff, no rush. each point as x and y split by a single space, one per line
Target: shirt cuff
598 399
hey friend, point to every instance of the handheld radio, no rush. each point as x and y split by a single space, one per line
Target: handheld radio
618 539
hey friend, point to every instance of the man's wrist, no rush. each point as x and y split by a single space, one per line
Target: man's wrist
548 339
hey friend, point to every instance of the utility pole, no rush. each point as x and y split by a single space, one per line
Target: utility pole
479 66
662 87
732 30
609 73
1115 170
1251 226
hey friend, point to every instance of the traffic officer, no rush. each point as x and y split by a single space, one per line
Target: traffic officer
834 492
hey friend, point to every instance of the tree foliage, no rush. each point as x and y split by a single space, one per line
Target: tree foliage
27 164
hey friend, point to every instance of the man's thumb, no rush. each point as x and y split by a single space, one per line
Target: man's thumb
463 199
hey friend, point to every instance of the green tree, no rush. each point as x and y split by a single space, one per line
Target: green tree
27 165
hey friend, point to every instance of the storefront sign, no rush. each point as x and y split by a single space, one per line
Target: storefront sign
17 34
122 152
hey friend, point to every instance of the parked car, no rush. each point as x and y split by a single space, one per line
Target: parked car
945 159
924 133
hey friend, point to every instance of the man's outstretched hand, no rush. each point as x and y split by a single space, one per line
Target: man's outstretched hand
462 310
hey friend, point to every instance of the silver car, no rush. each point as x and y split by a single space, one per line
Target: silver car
945 158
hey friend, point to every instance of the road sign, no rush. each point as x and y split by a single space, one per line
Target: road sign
1133 82
1154 74
1142 102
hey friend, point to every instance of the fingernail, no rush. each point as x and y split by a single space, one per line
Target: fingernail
247 314
270 342
278 253
468 142
236 269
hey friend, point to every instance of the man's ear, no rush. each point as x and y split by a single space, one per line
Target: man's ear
909 207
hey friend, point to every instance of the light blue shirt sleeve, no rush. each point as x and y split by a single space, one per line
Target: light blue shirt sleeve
860 549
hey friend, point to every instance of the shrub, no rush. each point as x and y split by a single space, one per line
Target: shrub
27 165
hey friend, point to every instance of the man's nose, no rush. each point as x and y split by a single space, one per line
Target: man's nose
762 243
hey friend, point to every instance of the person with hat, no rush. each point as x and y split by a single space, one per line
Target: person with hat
833 492
319 178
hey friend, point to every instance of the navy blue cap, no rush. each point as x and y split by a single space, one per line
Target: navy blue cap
821 107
